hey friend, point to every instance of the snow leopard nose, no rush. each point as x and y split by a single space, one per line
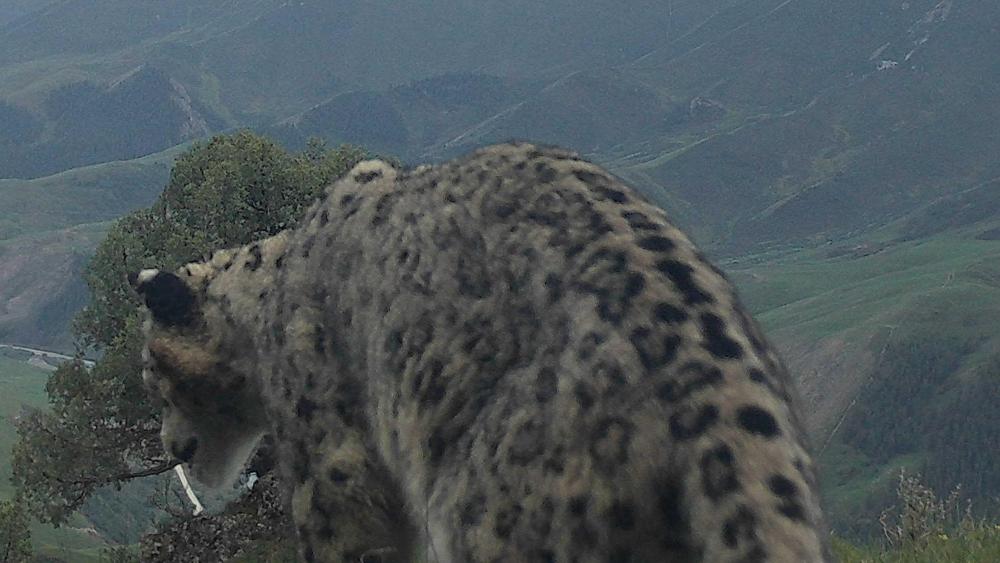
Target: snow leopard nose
186 453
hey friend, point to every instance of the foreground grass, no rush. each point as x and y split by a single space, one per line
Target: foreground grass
981 545
924 527
976 546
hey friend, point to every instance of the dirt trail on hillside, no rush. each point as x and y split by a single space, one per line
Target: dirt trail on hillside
40 358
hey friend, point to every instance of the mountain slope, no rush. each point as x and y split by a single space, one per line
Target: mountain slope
82 195
86 27
751 121
141 112
41 287
865 110
893 337
49 227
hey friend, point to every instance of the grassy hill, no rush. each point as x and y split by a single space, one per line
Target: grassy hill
746 125
819 141
83 195
250 45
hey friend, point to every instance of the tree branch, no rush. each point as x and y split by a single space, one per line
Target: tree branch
128 475
155 470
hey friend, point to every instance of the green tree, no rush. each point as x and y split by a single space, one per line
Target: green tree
100 429
15 537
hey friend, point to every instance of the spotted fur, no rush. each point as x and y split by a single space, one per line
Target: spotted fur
511 357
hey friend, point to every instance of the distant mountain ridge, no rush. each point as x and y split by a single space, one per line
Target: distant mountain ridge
258 62
743 114
138 113
254 42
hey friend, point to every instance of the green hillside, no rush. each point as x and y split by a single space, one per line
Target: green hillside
896 345
248 44
82 195
769 123
25 385
48 229
140 112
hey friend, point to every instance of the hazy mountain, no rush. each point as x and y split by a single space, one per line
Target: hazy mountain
413 121
862 109
11 10
94 27
744 114
752 120
48 230
139 113
247 45
255 62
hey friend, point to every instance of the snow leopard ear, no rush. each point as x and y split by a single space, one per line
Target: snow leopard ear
166 295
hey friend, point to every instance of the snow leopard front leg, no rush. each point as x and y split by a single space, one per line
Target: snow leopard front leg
344 504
